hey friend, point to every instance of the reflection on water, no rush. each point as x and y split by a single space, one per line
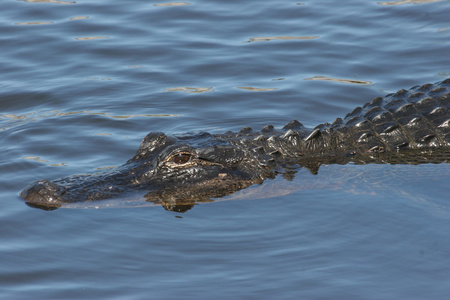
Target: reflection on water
97 78
35 158
352 81
171 4
253 89
91 38
374 180
36 116
45 23
34 23
78 18
38 159
266 39
408 2
210 89
190 89
103 133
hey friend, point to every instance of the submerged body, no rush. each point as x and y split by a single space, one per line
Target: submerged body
408 127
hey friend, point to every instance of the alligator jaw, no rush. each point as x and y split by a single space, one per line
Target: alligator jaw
50 195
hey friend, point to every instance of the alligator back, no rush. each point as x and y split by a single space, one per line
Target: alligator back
417 118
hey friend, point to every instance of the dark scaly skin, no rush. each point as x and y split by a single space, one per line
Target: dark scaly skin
408 127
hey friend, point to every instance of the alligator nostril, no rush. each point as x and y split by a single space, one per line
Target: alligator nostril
43 194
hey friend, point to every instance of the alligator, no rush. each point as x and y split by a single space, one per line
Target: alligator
407 127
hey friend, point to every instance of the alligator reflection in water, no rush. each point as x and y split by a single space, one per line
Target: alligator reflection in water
408 127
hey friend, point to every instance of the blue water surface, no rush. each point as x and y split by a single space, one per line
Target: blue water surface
82 82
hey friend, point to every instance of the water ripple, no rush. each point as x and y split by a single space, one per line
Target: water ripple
267 39
11 120
352 81
172 4
190 89
48 1
253 89
408 2
34 23
91 38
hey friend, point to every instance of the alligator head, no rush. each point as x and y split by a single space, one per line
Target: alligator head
173 171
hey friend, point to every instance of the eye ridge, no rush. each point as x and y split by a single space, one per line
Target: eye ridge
180 158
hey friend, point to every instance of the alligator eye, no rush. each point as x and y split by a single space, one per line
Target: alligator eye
180 158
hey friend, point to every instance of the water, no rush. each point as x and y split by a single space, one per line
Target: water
83 82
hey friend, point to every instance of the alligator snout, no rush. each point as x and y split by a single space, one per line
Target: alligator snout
43 194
